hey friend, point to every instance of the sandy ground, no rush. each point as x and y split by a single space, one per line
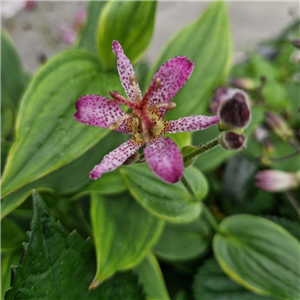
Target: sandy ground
38 33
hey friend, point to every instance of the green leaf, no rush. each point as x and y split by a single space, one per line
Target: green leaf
212 283
71 178
47 136
200 42
13 77
111 183
121 239
171 202
87 39
53 263
59 265
151 277
259 255
123 286
12 236
5 146
7 119
184 241
7 261
129 22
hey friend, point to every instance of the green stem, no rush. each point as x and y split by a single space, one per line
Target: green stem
293 202
208 215
205 148
210 218
188 187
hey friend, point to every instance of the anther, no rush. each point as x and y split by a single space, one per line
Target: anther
133 80
114 126
157 82
170 105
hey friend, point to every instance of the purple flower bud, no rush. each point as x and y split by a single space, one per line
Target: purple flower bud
296 43
278 125
235 111
232 140
243 83
277 181
221 94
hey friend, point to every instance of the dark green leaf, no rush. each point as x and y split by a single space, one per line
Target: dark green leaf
151 277
171 202
58 265
121 238
212 283
129 22
200 42
12 236
260 255
53 263
7 261
47 136
184 241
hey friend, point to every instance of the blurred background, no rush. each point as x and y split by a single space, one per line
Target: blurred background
40 29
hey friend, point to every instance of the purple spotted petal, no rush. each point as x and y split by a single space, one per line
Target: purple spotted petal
173 74
165 159
125 69
191 123
115 158
99 111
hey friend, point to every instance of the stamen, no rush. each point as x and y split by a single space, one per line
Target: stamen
134 82
155 85
121 100
170 105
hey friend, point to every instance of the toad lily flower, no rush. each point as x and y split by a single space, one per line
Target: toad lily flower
145 122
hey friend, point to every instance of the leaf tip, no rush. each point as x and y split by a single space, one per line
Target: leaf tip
94 284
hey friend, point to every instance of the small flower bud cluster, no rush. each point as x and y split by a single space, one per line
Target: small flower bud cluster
233 108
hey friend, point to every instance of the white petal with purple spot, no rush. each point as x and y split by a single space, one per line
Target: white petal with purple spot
115 158
191 123
125 69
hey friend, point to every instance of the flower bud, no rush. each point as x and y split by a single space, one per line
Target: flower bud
243 83
232 140
187 150
278 125
277 181
296 43
221 94
267 147
131 159
235 111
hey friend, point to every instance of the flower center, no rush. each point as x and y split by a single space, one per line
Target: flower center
147 124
